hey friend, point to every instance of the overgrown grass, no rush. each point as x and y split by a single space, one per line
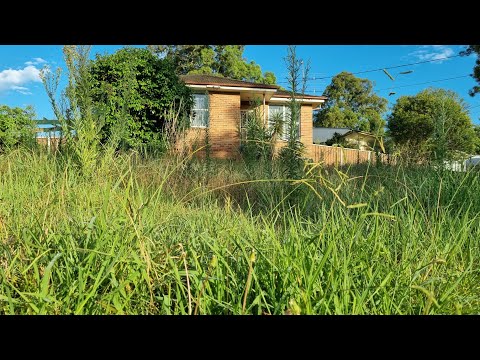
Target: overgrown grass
161 237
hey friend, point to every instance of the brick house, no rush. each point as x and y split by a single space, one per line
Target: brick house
220 104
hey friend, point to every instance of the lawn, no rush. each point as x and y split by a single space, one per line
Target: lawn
165 236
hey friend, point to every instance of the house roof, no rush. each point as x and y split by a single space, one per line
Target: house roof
201 79
322 134
473 161
359 132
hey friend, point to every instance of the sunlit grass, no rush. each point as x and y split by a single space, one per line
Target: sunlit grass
156 237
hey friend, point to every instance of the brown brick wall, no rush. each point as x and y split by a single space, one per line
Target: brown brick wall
224 124
306 129
192 140
224 121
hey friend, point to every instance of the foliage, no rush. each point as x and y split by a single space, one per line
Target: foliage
269 78
17 127
352 103
139 90
432 124
476 70
222 60
477 139
291 155
258 143
81 120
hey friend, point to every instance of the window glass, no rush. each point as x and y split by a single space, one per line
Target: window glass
199 116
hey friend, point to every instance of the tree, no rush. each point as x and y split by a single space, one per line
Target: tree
138 91
477 139
16 127
221 60
291 155
352 103
269 78
79 118
476 69
432 124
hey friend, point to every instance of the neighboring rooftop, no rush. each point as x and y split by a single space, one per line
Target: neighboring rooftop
322 134
364 133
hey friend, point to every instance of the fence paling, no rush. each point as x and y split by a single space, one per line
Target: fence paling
338 156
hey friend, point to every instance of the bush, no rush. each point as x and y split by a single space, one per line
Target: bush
138 89
16 127
259 140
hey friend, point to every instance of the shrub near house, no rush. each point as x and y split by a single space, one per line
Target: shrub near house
16 127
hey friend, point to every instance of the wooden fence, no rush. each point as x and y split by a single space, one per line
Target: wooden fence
338 156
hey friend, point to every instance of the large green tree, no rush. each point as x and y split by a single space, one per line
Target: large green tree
476 69
352 103
137 91
222 60
432 124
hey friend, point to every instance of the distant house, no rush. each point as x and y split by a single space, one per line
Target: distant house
47 132
474 160
355 139
361 140
462 161
221 104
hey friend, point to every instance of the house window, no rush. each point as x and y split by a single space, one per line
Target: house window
199 116
284 115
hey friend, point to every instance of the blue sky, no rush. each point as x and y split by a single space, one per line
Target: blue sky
21 86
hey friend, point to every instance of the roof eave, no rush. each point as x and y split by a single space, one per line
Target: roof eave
312 97
231 88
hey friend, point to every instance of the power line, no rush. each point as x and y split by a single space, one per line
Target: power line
381 69
427 82
422 83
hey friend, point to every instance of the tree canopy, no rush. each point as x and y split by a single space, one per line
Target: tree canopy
138 89
352 103
222 60
476 69
435 123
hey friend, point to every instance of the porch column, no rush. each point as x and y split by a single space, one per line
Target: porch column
264 121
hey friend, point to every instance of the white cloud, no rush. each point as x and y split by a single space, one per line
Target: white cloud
21 89
36 61
433 52
15 79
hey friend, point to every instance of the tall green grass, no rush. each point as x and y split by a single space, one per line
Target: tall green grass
159 236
